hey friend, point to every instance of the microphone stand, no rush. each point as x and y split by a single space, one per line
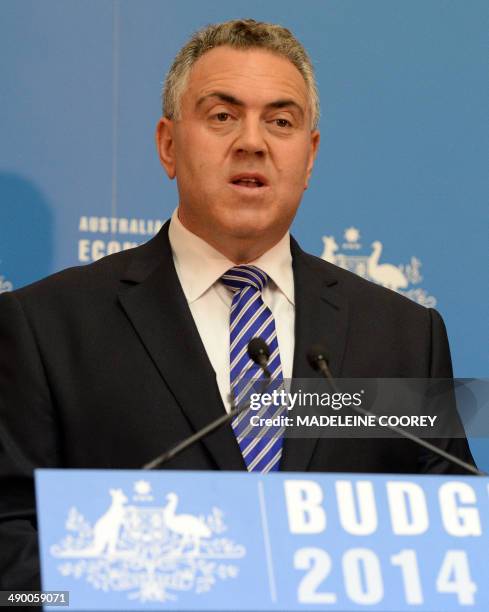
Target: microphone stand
208 429
323 367
260 359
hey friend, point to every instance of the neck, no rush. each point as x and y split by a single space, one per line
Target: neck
240 253
239 250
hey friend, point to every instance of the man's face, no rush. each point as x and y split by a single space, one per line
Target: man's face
242 151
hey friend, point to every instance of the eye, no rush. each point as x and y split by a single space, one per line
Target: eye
222 117
283 123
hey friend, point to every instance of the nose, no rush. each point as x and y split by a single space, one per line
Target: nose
250 139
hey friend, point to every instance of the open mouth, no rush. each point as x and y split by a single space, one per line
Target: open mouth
249 181
252 183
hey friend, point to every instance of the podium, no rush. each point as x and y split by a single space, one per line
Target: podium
173 540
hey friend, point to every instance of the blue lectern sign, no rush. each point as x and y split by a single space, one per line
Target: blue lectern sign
132 540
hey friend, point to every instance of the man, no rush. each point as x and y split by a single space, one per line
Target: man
106 366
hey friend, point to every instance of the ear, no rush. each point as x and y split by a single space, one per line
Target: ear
315 137
166 145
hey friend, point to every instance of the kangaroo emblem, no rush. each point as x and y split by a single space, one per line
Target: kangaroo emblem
105 531
330 248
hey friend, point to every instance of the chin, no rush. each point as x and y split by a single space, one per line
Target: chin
243 231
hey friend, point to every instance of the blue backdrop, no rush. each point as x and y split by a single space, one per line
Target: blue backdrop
403 159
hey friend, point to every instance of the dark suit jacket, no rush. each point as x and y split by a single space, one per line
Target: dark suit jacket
102 367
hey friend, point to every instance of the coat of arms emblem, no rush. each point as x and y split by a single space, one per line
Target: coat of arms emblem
402 278
152 552
5 285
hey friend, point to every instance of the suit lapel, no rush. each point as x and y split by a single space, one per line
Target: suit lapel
321 317
154 302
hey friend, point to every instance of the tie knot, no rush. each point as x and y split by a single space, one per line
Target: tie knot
240 277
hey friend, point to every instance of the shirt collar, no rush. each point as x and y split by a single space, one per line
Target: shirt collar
199 265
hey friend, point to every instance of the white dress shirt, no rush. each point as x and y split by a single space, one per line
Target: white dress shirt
199 267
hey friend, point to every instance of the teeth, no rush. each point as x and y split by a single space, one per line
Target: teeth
248 181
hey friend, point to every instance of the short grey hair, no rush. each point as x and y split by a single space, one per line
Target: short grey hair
239 34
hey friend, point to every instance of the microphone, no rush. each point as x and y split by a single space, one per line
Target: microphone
260 353
318 360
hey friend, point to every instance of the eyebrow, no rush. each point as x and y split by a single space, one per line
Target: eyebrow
229 99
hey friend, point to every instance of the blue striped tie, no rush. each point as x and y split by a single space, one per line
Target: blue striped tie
250 318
